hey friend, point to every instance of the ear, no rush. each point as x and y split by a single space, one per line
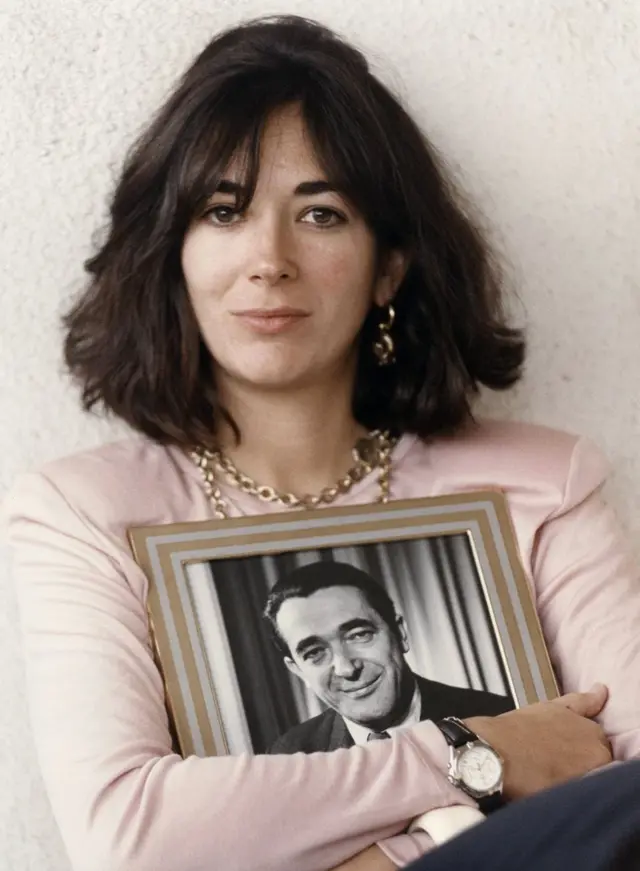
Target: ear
393 268
402 632
293 668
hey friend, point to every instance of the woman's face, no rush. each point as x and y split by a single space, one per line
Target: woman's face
280 292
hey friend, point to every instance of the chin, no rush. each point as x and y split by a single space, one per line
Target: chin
273 381
270 374
373 715
282 368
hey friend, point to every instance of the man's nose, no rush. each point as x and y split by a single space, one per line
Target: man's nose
272 255
346 666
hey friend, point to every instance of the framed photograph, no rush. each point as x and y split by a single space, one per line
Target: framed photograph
313 630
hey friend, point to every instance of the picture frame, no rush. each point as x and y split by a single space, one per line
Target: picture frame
238 681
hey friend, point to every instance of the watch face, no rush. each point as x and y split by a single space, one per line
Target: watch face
480 769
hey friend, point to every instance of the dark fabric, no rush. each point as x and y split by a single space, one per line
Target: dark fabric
328 731
590 824
265 685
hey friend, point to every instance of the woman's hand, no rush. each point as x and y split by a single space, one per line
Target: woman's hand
371 859
549 742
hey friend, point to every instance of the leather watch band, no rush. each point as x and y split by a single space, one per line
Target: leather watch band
455 731
490 803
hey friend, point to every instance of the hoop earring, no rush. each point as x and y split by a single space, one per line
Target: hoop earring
384 346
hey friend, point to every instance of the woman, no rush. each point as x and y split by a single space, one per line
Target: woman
287 275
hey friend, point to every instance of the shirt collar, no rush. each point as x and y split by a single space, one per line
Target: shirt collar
361 733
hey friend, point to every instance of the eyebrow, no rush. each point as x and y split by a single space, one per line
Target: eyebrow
356 623
304 189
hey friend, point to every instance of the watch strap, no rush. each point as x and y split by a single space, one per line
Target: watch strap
490 803
455 731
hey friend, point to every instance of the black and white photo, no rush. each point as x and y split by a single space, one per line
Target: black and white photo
331 639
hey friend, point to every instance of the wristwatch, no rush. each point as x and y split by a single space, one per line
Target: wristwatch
474 766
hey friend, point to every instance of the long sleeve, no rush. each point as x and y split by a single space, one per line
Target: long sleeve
586 581
121 797
587 584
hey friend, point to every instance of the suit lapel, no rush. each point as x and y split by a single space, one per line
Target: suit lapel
339 735
435 704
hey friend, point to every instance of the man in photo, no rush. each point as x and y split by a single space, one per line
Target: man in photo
340 633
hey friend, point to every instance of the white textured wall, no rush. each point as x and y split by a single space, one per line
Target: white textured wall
536 101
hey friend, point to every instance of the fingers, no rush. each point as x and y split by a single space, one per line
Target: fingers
585 704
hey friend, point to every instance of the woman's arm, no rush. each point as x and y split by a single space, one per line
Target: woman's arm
122 799
587 584
371 859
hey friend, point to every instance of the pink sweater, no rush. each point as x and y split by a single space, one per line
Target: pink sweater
123 800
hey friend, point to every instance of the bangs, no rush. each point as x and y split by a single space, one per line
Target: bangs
345 138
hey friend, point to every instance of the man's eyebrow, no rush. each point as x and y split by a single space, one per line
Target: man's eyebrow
307 642
347 626
304 189
356 623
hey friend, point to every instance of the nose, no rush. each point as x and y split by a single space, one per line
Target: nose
272 257
346 666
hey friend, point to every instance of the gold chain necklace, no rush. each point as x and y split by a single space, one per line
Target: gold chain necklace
371 452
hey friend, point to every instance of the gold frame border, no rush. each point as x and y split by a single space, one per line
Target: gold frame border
143 541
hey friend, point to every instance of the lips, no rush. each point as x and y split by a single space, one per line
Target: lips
362 690
267 313
271 321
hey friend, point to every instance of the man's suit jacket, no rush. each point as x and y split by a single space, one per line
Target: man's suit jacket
328 730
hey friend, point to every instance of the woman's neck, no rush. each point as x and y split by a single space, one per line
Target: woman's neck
296 443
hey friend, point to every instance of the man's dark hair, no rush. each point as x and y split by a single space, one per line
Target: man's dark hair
306 580
132 341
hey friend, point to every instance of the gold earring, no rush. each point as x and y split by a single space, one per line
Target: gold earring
384 346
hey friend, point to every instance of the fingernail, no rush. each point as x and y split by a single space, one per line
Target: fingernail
597 687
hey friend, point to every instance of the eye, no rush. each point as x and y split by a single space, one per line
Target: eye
313 654
359 636
221 214
322 216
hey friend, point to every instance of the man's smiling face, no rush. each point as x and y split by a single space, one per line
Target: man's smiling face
345 652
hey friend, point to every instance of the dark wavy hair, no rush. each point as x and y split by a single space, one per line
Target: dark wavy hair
323 575
132 341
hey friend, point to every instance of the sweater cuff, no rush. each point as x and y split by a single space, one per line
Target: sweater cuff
444 823
402 850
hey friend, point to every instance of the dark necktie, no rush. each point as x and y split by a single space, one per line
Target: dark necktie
378 736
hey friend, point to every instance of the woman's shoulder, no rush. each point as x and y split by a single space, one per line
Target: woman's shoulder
123 466
514 444
514 456
129 482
